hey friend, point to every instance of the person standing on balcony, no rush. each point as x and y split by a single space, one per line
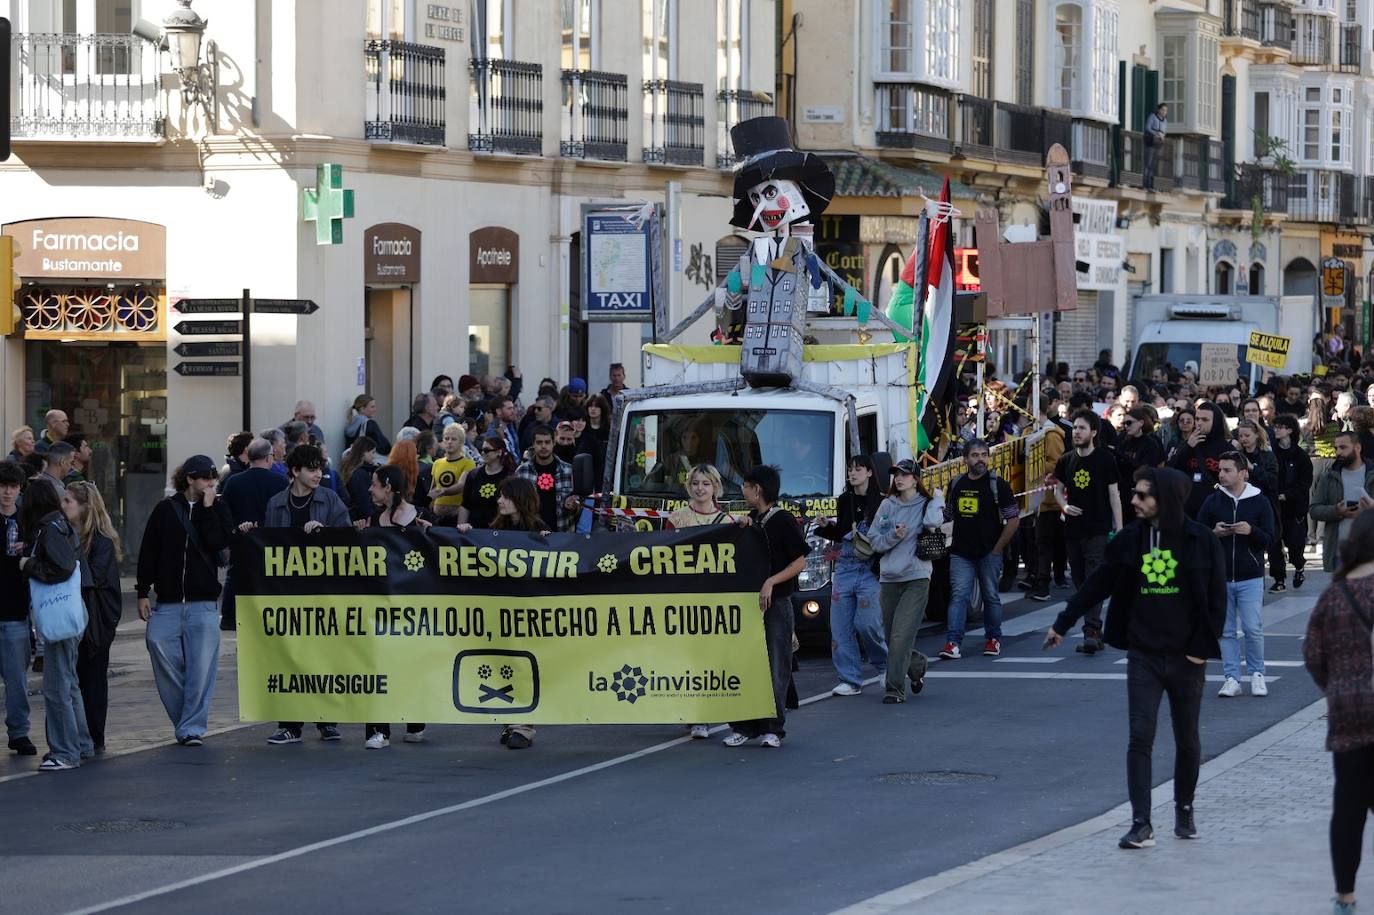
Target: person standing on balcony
1156 128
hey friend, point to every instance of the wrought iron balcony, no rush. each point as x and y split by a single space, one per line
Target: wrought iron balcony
405 98
1312 47
675 123
1019 134
1241 19
1276 25
1330 197
595 115
976 127
912 116
1350 49
507 107
732 107
1257 184
87 87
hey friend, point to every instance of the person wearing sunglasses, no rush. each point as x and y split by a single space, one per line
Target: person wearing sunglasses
1166 576
481 487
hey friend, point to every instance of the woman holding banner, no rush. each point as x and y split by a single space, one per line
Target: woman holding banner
388 493
704 488
517 509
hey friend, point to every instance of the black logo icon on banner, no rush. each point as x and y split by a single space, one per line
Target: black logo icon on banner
629 684
495 679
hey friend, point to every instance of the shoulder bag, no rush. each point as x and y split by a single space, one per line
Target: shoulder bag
217 559
57 611
931 546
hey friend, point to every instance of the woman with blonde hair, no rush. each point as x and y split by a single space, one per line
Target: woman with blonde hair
21 443
100 556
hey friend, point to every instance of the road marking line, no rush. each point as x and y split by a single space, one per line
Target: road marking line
904 896
405 821
1029 661
1267 664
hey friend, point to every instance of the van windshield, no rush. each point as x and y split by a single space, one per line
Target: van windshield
662 446
1175 357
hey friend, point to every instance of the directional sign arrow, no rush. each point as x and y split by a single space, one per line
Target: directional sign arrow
206 328
209 306
203 369
285 307
208 349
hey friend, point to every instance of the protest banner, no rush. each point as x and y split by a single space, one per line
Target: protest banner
502 626
1268 350
1220 363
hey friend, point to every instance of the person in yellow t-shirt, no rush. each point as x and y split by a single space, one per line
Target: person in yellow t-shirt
449 473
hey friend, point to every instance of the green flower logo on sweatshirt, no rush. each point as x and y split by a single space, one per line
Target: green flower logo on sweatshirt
1082 478
1159 566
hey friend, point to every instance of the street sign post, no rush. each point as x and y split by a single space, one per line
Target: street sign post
209 328
217 348
284 307
207 369
208 306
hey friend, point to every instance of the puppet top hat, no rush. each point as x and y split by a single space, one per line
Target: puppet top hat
766 147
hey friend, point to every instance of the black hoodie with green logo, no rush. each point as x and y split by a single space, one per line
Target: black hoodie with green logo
1166 581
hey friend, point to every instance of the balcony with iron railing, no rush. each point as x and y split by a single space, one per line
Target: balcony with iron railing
596 115
507 112
1019 134
1257 184
1240 19
913 116
406 95
1330 197
1276 25
732 107
1349 60
674 123
96 86
976 132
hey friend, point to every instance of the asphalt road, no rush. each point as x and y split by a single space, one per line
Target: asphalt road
862 798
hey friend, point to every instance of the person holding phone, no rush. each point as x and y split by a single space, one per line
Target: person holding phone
1341 493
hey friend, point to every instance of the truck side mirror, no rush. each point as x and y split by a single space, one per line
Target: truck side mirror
882 469
584 475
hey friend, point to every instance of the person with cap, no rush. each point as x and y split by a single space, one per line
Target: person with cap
470 388
1166 576
179 559
574 396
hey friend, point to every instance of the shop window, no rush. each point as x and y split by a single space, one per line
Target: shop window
489 326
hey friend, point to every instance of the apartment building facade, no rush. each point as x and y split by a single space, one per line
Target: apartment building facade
467 136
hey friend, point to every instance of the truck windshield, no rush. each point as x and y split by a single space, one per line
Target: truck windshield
661 447
1175 357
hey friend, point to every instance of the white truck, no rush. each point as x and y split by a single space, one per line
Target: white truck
1168 330
672 424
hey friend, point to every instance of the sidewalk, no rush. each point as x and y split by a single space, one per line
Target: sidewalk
1262 810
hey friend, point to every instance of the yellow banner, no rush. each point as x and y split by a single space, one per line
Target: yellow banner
1268 350
512 628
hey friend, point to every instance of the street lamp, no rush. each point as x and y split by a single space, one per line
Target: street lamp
181 36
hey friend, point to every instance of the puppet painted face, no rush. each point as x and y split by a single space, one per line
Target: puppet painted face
777 203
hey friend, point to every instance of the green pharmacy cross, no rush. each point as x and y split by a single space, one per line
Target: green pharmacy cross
327 204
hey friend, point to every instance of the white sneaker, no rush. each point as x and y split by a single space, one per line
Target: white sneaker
701 731
377 741
1230 688
1257 685
736 739
846 689
415 737
771 740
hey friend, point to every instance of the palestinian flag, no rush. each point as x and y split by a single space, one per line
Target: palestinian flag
935 370
902 304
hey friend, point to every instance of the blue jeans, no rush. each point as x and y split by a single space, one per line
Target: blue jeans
856 616
1244 601
14 666
183 643
64 714
962 572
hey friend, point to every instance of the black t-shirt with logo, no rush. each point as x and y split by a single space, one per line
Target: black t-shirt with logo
1086 480
979 508
786 545
546 485
480 492
1161 621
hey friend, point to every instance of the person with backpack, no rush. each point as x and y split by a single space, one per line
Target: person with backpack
179 560
856 618
985 515
1337 654
904 574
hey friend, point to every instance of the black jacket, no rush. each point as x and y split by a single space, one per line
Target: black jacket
53 550
167 561
101 595
845 511
1119 576
1295 480
1244 554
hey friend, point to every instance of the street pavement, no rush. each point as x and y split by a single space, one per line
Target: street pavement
999 789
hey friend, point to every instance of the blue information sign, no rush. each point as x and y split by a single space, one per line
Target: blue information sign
621 262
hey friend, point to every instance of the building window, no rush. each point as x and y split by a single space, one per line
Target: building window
1259 124
1311 134
1337 134
660 46
1257 279
1173 84
581 49
1105 62
1025 52
982 48
942 40
896 51
1068 45
1207 83
732 44
493 29
386 19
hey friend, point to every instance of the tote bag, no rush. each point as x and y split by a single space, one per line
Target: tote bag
57 610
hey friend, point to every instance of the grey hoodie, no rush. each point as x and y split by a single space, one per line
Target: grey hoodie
899 561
